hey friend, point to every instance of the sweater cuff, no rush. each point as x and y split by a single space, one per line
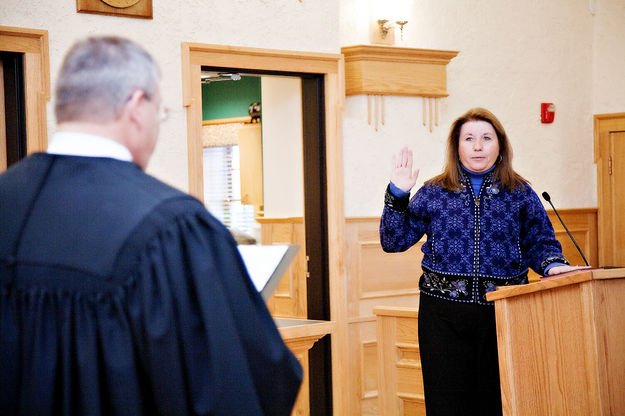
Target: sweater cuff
552 262
396 203
396 191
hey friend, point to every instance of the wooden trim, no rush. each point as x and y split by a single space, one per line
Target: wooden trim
390 70
289 220
231 120
33 43
564 279
396 311
194 56
397 54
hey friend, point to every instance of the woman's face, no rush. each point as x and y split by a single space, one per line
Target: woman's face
478 146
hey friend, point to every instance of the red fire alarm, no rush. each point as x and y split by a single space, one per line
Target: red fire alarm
547 112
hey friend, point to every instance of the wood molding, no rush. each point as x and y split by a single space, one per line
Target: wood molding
288 220
390 70
33 43
231 120
196 55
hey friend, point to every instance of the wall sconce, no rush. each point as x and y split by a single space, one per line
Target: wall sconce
386 16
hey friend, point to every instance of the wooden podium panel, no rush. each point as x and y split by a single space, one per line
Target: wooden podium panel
562 344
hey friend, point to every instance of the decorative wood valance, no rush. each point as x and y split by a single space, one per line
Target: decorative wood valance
388 70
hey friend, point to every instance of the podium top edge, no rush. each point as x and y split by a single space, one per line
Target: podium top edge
564 279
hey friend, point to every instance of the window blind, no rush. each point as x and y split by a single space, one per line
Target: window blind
222 188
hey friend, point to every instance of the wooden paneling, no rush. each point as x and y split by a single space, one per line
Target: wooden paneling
33 44
399 364
374 278
380 70
289 298
582 224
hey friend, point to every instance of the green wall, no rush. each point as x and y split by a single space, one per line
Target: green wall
227 99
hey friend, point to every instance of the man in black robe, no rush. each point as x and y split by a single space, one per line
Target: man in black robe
120 295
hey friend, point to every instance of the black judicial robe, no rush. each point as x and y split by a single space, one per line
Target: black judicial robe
120 295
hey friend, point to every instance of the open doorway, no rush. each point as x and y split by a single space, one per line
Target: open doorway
326 71
263 141
12 109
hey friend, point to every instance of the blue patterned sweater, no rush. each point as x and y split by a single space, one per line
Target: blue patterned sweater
474 243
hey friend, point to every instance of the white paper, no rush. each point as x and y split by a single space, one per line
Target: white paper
261 261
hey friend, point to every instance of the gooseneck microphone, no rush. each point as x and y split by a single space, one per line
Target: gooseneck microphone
548 199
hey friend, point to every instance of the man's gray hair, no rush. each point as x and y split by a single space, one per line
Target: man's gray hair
98 76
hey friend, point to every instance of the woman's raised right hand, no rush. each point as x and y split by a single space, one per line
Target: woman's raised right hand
402 175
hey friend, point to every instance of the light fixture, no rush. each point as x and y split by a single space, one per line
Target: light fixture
386 16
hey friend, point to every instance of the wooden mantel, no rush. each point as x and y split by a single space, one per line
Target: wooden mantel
391 70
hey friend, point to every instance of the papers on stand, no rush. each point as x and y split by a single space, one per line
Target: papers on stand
266 264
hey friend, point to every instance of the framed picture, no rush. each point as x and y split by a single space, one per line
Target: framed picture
141 9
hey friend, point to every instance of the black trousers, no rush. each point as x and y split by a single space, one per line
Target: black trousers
458 347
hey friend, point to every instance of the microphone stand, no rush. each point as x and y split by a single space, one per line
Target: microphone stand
548 199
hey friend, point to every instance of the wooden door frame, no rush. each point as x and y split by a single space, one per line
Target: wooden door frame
196 55
604 222
33 43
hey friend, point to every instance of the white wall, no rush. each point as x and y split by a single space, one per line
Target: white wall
277 24
283 162
609 57
513 56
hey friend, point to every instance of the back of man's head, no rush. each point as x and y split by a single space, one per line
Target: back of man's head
98 76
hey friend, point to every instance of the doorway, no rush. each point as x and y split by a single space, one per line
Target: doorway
610 158
12 109
325 67
31 46
305 163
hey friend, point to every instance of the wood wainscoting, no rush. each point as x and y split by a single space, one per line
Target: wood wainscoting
582 224
399 363
381 280
374 279
289 298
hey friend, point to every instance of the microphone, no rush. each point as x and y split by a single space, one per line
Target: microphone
548 199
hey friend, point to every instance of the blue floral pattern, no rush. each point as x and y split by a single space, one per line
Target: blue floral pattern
474 243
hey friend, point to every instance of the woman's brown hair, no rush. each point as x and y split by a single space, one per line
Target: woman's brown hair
503 172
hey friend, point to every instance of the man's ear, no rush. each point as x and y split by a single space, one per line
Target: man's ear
132 107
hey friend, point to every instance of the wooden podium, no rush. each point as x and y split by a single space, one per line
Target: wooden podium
562 344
